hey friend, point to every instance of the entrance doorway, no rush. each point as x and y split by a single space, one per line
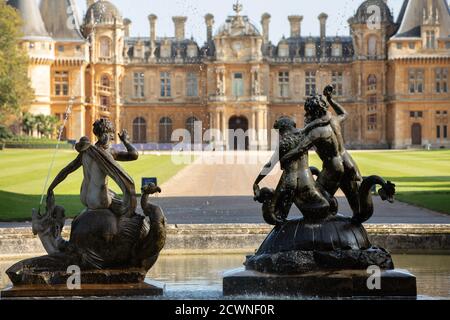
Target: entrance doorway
238 137
416 134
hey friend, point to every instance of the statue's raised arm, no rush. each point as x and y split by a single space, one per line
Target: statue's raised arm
338 108
131 154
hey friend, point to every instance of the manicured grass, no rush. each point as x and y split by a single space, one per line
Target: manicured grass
422 177
23 174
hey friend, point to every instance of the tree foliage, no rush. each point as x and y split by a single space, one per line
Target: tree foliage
16 93
45 126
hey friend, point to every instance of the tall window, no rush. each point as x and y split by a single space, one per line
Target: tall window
104 104
166 89
441 75
310 83
372 46
165 130
61 83
416 81
283 84
371 122
105 47
139 84
337 79
105 81
238 84
372 82
431 39
190 126
139 130
192 84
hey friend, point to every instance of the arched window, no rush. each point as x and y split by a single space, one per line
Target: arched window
372 46
165 130
139 130
105 81
190 126
105 47
372 82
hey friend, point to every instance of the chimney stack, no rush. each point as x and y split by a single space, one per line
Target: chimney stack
179 23
323 25
209 20
152 20
296 25
127 25
265 21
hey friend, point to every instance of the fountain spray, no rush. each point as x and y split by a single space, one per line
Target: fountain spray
61 129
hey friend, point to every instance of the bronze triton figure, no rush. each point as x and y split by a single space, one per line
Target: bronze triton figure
322 239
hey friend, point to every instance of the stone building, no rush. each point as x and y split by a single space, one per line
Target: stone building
391 75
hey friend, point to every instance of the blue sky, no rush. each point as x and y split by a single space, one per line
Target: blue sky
338 10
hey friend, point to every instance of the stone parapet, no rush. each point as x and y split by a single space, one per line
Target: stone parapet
245 238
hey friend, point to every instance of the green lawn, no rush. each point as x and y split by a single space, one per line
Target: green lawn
422 177
23 174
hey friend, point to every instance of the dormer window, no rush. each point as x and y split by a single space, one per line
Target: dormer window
336 50
431 39
192 51
310 50
166 50
283 50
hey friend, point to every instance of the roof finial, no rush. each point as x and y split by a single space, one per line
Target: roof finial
237 7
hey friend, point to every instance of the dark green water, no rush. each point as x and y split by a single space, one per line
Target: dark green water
200 276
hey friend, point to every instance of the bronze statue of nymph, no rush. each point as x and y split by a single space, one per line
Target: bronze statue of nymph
108 234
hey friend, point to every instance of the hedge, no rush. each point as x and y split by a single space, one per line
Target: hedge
35 143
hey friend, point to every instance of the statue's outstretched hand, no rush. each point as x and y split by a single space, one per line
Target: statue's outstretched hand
123 136
328 91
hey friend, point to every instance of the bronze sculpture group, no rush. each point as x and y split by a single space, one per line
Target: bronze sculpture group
112 243
109 240
322 239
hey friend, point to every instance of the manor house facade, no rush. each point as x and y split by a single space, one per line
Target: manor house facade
391 75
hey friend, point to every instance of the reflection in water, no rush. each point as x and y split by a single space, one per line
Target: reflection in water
197 276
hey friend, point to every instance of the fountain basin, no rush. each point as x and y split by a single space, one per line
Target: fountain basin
326 283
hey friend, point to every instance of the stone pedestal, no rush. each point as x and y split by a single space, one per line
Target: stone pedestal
87 290
342 283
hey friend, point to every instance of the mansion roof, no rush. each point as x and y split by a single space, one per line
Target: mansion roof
418 13
53 17
61 20
33 26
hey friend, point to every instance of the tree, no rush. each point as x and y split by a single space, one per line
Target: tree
28 123
16 93
46 125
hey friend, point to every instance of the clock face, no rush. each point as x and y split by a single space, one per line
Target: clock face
237 46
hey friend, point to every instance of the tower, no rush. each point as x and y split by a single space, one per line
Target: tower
68 70
40 49
371 27
105 31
